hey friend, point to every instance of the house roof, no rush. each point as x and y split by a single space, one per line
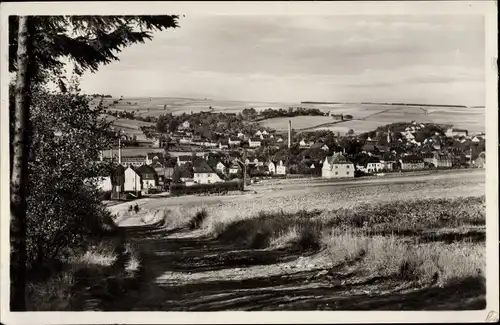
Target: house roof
184 158
338 158
147 172
255 139
119 171
201 166
411 159
318 145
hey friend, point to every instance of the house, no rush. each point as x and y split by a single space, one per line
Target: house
339 117
480 161
265 132
279 140
369 149
221 167
257 162
149 178
204 174
476 140
388 165
254 142
280 168
320 145
241 135
373 165
223 145
186 125
337 166
234 169
258 133
437 160
304 144
133 161
183 173
154 158
181 160
133 181
411 162
453 132
271 167
234 141
102 183
117 182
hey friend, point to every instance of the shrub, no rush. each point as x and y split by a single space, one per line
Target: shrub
198 219
223 187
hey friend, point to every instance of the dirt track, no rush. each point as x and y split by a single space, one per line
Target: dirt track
188 271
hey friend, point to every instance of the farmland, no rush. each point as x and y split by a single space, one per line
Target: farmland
413 242
366 116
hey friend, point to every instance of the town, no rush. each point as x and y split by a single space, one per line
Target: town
227 156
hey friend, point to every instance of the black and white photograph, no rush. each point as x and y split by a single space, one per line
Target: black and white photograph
249 156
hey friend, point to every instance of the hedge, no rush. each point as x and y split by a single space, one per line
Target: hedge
181 189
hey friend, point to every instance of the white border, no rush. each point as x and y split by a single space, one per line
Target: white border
486 8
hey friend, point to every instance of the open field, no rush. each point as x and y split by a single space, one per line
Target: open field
417 244
371 115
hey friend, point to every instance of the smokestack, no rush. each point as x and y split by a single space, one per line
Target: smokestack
101 158
289 133
119 151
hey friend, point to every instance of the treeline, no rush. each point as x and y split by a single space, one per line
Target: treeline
291 112
101 95
132 115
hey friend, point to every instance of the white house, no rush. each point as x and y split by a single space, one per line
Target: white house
271 166
133 182
337 166
254 142
234 141
186 125
257 162
279 140
373 165
241 135
453 132
303 143
475 140
258 133
221 167
265 132
102 183
223 145
181 160
204 174
281 168
234 169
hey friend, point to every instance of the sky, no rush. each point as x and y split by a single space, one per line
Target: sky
432 59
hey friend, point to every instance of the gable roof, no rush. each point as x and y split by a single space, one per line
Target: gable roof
255 139
338 158
184 158
201 166
147 172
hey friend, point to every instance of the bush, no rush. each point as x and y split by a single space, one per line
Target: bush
181 189
198 219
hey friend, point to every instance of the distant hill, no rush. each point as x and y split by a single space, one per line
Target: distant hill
379 103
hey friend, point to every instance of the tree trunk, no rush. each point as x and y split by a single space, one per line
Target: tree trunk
19 172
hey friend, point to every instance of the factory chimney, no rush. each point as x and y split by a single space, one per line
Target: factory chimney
119 151
289 133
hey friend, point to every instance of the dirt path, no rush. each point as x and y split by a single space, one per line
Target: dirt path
187 271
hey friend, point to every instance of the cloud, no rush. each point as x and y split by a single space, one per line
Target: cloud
297 57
